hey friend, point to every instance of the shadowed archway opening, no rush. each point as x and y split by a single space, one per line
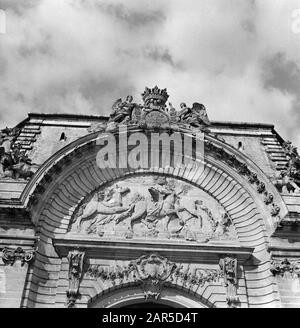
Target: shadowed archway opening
147 305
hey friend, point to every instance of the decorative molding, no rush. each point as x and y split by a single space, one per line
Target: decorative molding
11 255
275 209
152 272
243 170
286 268
268 198
75 259
196 277
206 253
228 265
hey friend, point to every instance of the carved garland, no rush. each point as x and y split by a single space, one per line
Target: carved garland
152 272
11 255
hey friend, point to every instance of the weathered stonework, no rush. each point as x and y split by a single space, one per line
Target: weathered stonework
223 234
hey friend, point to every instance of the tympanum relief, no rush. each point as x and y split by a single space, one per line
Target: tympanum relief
153 207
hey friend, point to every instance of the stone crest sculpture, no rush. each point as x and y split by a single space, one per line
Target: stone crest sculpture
154 113
152 271
153 207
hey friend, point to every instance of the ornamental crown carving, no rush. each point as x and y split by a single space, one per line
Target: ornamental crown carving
155 97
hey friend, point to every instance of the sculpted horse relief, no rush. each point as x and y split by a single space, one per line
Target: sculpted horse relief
153 207
104 207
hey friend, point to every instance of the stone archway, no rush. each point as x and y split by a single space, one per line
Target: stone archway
68 177
131 296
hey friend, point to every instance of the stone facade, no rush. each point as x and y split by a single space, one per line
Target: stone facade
224 233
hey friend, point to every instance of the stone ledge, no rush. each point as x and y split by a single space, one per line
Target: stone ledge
17 240
184 252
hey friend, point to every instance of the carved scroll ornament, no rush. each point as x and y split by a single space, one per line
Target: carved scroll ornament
11 255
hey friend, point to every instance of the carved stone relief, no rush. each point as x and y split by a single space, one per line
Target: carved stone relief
154 113
286 268
14 163
228 265
75 259
152 272
153 207
11 255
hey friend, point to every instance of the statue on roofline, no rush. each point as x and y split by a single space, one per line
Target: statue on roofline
14 163
195 116
154 113
122 110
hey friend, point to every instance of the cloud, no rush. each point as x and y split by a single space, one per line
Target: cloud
239 58
18 7
133 18
282 73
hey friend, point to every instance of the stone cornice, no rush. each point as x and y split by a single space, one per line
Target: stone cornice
190 252
7 240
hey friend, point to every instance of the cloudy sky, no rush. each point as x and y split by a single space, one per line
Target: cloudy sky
241 59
